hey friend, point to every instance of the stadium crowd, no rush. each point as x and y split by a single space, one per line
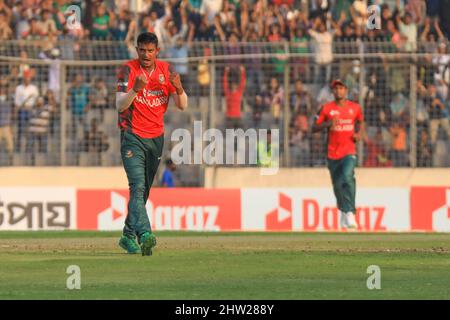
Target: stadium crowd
326 29
212 20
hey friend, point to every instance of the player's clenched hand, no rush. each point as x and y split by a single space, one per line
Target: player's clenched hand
356 136
140 82
175 80
334 123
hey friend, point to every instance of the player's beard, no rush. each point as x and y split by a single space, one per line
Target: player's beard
339 99
147 63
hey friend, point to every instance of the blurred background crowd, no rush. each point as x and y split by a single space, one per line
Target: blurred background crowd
405 21
273 63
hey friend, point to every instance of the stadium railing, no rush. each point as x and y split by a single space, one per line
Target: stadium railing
392 85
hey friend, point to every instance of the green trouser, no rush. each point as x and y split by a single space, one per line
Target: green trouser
140 159
344 183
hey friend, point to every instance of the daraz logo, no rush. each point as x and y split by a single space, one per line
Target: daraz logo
107 210
430 208
280 219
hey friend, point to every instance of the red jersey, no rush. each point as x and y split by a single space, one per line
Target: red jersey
145 116
340 138
234 98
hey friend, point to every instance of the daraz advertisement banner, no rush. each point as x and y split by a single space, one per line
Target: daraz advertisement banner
199 209
378 209
430 208
308 209
168 209
315 210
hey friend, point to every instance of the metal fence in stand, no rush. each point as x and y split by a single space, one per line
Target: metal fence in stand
70 117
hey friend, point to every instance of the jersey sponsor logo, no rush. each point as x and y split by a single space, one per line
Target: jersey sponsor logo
149 93
153 102
345 127
334 112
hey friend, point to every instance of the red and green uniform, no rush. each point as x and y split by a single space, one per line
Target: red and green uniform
342 150
142 137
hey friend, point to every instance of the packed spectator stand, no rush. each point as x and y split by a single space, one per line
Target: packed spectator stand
258 64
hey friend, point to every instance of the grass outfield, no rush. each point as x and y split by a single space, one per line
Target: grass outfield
188 265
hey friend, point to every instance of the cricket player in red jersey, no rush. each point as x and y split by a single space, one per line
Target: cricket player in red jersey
144 88
345 124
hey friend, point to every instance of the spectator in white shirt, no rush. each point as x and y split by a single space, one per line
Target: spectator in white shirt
358 11
441 63
53 56
210 8
409 29
39 126
25 99
322 49
47 25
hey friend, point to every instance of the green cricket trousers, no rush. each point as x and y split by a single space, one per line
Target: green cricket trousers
342 173
140 159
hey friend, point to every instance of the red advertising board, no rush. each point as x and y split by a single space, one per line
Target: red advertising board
430 209
168 209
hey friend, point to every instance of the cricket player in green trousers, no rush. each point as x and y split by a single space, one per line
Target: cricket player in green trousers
345 124
144 87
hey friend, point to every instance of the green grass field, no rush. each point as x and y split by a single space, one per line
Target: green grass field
187 265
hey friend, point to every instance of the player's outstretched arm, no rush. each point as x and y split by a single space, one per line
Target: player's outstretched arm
180 97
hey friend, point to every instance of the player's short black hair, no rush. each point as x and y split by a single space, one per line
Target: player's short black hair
147 37
169 162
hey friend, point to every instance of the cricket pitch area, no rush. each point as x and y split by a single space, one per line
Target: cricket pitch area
190 265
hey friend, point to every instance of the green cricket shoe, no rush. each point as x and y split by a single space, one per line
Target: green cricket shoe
129 245
147 241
